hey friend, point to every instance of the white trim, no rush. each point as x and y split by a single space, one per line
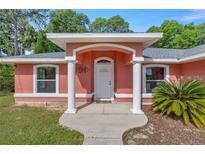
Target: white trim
35 77
194 57
123 95
137 59
178 61
104 45
44 95
147 95
161 60
31 60
144 75
61 39
112 75
84 95
144 95
70 58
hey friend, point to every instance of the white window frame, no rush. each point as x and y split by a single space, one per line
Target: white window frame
35 67
166 67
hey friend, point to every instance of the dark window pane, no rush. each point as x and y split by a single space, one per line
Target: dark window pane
150 85
155 73
46 86
46 73
103 61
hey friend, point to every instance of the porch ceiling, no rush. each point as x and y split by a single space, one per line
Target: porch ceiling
60 39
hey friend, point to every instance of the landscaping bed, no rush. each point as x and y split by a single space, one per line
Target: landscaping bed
24 125
164 130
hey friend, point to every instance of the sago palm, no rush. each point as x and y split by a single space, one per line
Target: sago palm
183 98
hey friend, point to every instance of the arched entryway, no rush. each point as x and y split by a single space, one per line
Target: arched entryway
104 78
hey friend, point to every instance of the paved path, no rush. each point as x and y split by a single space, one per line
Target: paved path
103 124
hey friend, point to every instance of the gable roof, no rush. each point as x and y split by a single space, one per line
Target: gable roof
150 54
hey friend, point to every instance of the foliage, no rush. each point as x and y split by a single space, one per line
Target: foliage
113 24
6 78
17 28
182 98
33 126
43 45
176 35
61 21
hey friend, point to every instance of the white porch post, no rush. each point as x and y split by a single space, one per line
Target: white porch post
136 108
71 85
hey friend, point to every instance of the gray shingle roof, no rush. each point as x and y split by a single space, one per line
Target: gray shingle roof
57 55
148 53
163 53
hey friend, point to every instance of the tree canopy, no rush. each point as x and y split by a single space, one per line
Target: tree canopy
176 35
114 24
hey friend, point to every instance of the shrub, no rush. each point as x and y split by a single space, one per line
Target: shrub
6 78
181 98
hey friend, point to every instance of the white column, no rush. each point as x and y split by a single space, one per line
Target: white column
136 108
71 86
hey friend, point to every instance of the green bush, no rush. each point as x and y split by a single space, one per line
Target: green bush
6 78
181 98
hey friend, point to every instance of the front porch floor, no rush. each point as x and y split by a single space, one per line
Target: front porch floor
103 123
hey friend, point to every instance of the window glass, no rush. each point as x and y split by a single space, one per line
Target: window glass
46 80
46 73
103 61
155 73
46 86
153 76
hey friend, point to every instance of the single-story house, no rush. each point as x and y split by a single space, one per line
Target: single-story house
119 67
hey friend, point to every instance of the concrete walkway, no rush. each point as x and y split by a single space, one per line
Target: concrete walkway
103 124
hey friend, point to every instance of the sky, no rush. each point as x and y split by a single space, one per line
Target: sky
141 20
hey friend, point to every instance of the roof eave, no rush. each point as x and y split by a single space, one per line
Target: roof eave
31 60
61 39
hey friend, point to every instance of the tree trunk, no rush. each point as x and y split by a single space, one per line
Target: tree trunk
15 32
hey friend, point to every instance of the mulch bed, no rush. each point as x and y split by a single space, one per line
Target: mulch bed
164 130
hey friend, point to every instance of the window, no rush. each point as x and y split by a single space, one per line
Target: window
153 75
46 79
104 61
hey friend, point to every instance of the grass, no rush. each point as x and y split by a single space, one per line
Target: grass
33 126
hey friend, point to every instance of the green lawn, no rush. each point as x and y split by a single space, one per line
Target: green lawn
23 125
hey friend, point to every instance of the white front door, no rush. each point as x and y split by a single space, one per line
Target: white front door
103 81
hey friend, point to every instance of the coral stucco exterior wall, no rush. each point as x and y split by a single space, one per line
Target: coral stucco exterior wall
194 70
24 78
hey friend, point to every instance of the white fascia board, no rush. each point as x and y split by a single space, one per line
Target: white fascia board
161 60
182 60
192 58
103 35
61 39
31 60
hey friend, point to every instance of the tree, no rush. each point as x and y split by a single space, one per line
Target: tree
43 44
170 30
6 78
179 36
99 25
61 21
114 24
14 23
201 28
187 39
